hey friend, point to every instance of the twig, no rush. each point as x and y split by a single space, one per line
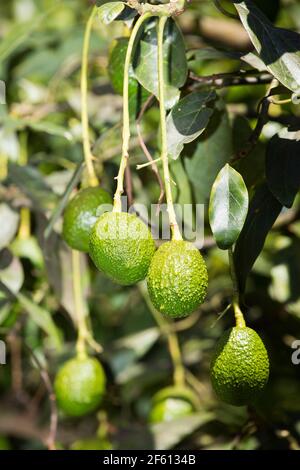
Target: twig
50 441
128 183
144 147
167 329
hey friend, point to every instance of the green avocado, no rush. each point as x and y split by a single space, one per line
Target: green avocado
80 216
79 386
177 279
121 246
240 366
172 403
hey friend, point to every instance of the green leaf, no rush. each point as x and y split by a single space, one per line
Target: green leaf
167 437
278 48
187 120
283 166
31 182
14 124
9 221
214 149
38 314
228 207
17 36
263 211
110 11
175 64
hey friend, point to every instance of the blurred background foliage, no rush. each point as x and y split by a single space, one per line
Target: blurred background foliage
40 149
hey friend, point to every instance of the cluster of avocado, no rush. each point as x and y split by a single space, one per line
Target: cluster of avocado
122 247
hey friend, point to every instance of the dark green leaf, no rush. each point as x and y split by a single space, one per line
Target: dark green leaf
263 212
252 168
137 94
214 149
228 207
283 166
278 48
175 64
187 120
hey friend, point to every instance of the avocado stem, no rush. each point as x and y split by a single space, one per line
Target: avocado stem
126 115
239 317
176 235
166 328
88 157
25 225
79 308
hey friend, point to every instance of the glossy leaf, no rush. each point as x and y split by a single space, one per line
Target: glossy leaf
110 11
263 211
278 48
175 64
187 120
283 166
228 207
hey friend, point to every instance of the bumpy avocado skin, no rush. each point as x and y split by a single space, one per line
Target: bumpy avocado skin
121 246
177 279
172 403
80 216
240 366
79 386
